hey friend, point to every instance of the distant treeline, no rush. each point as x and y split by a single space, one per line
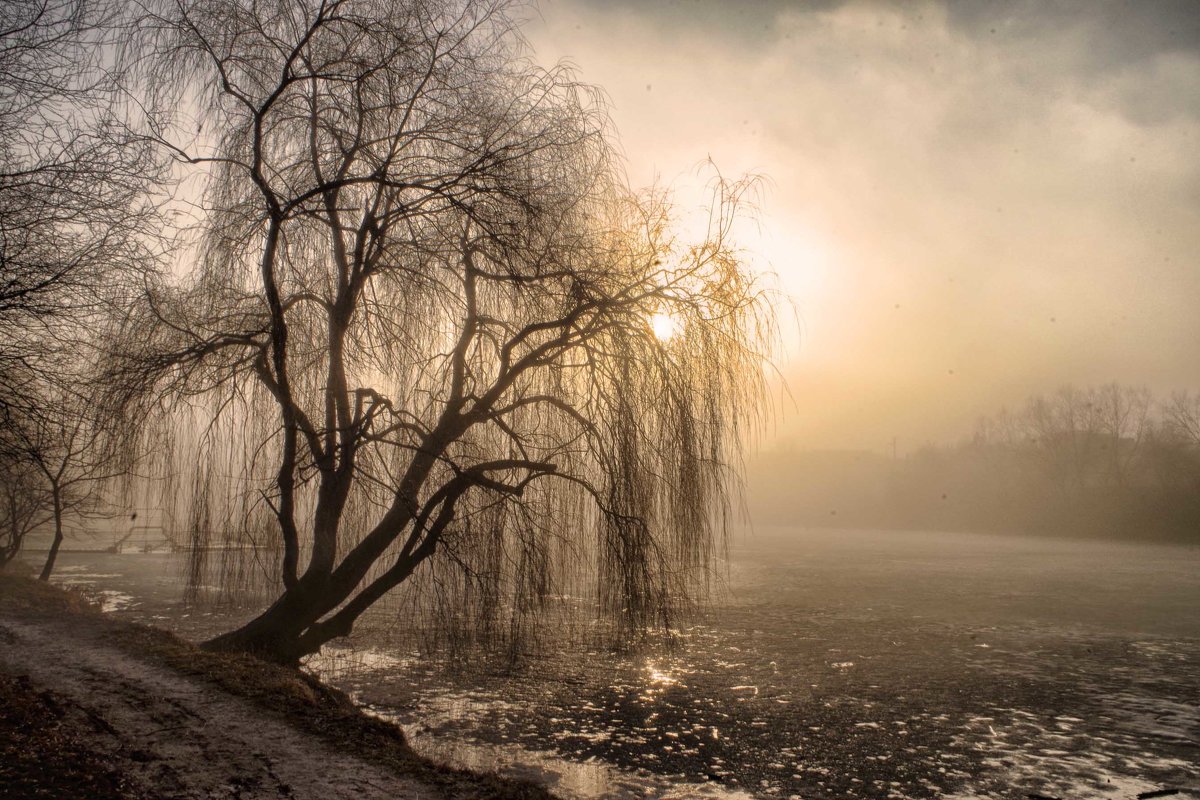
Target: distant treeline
1105 461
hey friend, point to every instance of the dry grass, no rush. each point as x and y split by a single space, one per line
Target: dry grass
21 594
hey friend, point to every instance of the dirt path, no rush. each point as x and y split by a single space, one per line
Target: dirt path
174 737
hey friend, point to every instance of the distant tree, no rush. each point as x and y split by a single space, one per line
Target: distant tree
1096 461
422 326
65 461
1181 418
1123 417
1175 445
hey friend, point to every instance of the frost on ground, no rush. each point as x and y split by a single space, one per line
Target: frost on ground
173 737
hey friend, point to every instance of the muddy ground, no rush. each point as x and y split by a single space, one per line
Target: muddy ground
94 708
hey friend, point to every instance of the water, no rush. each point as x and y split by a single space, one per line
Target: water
835 664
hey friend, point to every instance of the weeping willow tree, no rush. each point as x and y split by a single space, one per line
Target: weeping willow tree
428 330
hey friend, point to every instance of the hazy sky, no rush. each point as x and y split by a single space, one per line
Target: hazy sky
968 202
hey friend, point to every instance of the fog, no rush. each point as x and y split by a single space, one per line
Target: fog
339 345
967 204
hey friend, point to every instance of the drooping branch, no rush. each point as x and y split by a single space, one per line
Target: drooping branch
421 316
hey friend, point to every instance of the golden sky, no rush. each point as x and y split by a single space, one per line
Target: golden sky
968 202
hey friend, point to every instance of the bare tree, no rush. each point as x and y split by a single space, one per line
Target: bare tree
24 506
1123 414
1174 444
1181 418
420 258
66 461
1072 429
73 182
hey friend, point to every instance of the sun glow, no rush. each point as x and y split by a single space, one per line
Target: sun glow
665 326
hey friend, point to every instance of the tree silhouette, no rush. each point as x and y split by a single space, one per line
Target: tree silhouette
60 461
24 506
74 183
420 326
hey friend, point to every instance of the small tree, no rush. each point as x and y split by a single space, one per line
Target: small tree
422 326
65 460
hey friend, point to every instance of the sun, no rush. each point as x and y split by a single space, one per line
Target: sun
664 326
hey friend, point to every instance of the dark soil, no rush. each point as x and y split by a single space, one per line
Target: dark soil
45 750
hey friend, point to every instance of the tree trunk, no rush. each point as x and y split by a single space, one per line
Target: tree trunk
278 634
9 549
58 538
293 626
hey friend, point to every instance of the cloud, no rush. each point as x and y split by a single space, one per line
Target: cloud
971 201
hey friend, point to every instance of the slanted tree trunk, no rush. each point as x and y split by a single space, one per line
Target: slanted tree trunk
296 624
275 635
290 629
58 537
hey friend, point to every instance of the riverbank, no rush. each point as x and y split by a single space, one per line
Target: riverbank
97 707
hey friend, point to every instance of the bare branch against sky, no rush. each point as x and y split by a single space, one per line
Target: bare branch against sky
429 331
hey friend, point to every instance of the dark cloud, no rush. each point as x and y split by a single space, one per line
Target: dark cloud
1080 47
1123 31
1119 32
1115 51
748 21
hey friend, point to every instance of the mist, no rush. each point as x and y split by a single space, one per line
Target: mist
967 203
589 400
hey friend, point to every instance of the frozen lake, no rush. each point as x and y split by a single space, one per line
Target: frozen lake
834 664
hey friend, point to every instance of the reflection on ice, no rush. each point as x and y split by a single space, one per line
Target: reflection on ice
78 578
589 779
659 677
113 601
332 664
804 687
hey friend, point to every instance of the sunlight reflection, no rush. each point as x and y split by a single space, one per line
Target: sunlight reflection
659 677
